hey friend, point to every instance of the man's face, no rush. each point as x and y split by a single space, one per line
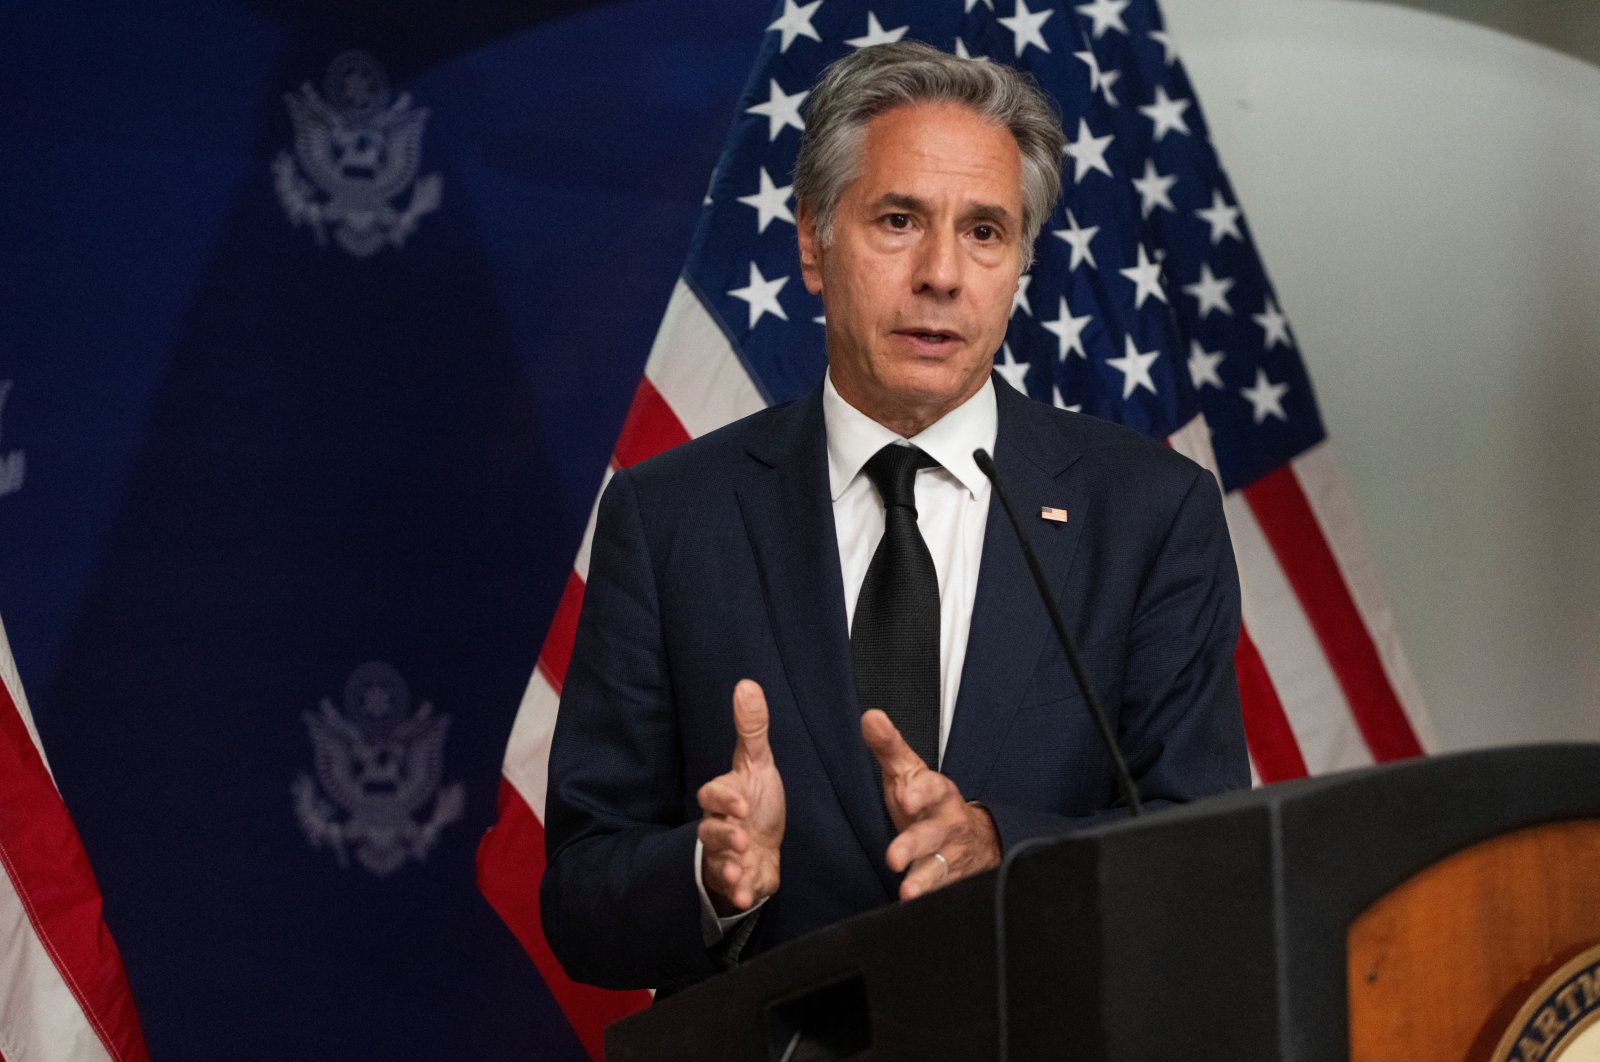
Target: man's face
918 279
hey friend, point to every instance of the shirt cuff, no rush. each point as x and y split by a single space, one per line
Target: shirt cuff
712 926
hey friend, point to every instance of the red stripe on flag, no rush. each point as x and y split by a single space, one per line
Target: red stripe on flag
517 841
557 650
42 854
1266 728
651 427
1291 528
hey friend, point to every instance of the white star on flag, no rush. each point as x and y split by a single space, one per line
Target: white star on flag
1088 152
795 22
1212 291
771 202
1203 366
1168 54
781 109
1266 397
1068 331
1061 403
1146 277
961 49
1025 28
1099 80
1167 113
1223 219
1078 238
1107 14
1274 323
974 3
762 295
1134 366
1153 188
1020 299
876 34
1012 369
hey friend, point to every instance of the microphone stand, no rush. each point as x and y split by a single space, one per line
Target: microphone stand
1130 792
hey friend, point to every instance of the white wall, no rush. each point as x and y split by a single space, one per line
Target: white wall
1426 194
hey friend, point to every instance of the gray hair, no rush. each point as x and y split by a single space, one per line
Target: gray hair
859 87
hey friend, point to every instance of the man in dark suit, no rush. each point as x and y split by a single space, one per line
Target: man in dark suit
810 563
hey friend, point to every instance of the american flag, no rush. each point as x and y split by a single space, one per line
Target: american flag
1147 305
63 993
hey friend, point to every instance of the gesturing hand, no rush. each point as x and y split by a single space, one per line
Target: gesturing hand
744 813
929 814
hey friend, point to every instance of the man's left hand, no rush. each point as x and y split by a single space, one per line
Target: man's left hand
941 838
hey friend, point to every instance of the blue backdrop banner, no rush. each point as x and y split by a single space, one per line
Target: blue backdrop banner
317 325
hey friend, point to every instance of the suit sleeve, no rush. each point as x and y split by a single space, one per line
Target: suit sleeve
1178 721
618 900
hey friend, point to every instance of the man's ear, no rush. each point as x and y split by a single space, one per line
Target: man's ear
805 223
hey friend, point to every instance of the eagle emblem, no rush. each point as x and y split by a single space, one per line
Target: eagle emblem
356 149
378 767
14 464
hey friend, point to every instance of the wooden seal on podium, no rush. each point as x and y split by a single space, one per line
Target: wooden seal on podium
1498 944
1561 1018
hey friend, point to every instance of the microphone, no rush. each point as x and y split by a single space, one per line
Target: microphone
1130 792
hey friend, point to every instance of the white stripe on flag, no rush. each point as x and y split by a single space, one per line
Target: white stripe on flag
1328 494
40 1020
13 682
1193 441
1312 699
581 564
527 762
695 370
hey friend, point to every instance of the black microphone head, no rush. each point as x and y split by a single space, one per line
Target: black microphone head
985 462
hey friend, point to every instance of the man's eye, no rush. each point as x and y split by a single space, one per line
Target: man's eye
985 233
898 221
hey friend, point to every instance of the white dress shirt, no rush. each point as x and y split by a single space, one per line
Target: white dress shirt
952 511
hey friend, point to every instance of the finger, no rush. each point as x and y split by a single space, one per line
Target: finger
719 797
925 875
924 794
734 887
720 836
750 722
728 878
895 756
738 883
916 841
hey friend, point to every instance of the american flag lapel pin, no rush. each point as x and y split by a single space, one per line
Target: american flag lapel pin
1050 512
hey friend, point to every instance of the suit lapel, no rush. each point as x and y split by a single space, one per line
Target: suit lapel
1009 623
788 514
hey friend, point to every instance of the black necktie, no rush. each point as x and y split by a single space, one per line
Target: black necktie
894 640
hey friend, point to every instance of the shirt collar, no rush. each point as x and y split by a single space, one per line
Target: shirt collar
853 437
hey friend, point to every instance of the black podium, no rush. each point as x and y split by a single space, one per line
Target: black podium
1218 931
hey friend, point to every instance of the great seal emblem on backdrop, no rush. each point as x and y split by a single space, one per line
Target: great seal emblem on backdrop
13 465
379 765
357 150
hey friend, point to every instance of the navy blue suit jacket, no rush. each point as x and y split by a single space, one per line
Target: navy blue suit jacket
718 560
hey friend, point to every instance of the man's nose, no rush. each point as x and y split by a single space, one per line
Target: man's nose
939 264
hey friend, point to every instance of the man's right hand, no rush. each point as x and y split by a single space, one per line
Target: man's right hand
744 812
